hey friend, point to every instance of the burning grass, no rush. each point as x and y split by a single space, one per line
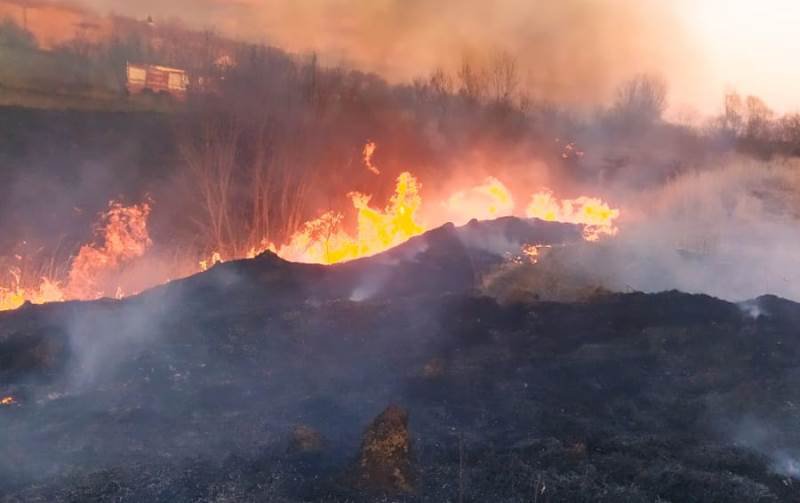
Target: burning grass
123 236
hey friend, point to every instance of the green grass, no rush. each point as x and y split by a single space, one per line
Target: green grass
40 79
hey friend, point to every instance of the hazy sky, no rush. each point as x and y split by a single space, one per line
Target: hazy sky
702 47
750 45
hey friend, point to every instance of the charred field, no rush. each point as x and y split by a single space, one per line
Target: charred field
430 251
200 390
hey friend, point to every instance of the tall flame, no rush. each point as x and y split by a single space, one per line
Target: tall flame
123 235
324 241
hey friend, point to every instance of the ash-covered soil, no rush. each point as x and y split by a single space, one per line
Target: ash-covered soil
261 380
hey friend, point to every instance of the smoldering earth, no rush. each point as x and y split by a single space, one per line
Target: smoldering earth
189 392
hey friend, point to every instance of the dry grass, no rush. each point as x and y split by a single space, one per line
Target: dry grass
557 276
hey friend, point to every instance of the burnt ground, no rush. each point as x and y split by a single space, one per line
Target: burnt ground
189 392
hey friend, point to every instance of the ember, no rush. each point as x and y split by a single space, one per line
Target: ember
368 152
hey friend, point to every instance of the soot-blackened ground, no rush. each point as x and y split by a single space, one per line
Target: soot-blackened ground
622 397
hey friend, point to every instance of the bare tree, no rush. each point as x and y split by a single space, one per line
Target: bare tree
503 79
734 114
789 133
640 101
247 151
472 81
277 188
759 119
440 83
210 158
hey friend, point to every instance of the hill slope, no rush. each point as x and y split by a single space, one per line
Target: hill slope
190 392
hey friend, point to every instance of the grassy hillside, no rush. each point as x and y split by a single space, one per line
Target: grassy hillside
34 78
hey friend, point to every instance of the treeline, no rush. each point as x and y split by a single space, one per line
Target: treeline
279 141
267 139
749 124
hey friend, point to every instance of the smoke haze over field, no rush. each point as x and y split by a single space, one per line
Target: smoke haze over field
291 133
572 51
729 231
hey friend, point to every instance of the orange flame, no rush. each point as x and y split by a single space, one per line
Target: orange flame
15 295
324 241
124 237
531 252
368 152
486 201
596 216
8 400
215 259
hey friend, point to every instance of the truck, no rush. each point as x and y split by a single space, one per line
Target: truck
157 79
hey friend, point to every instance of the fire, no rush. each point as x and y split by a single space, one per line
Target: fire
596 216
123 236
324 241
486 201
15 295
368 152
531 252
216 258
8 400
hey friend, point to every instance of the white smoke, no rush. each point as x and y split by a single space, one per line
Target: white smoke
731 231
761 437
104 335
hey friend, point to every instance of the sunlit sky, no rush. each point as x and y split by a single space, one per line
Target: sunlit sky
751 46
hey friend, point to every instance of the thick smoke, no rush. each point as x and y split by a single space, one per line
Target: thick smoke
572 51
729 231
